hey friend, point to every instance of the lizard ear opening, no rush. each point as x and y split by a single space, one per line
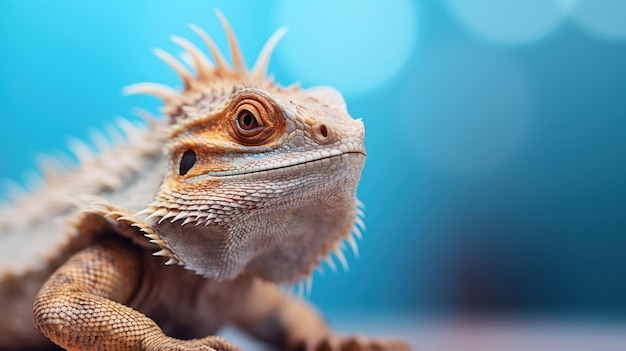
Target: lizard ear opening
330 96
187 161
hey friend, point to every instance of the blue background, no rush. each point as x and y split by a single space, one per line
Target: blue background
496 131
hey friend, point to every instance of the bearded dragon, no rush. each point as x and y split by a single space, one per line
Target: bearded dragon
244 185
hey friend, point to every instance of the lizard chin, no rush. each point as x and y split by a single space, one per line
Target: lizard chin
217 252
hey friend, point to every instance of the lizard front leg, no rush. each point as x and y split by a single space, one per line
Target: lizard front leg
292 324
81 306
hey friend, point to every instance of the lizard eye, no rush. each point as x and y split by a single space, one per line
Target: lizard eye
246 120
187 161
253 118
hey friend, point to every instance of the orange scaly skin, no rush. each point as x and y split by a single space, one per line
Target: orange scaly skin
243 186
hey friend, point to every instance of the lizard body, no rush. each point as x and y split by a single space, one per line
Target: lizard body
244 185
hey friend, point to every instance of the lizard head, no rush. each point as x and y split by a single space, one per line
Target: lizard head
261 179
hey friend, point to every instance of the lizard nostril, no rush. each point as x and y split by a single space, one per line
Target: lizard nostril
322 133
324 130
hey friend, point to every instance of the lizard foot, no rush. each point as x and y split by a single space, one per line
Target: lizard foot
209 343
358 343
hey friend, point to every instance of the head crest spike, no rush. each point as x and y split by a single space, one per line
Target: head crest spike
148 117
263 61
239 64
161 91
176 65
202 64
220 62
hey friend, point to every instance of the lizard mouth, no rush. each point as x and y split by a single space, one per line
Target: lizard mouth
304 162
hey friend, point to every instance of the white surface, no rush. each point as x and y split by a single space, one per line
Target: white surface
477 335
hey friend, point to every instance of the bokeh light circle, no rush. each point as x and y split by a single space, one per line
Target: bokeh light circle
512 21
355 46
606 18
466 110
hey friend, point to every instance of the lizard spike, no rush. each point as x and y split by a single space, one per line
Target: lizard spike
180 215
113 214
331 263
263 61
99 140
176 65
239 64
359 222
81 151
159 90
158 213
33 179
295 291
65 162
188 220
174 206
320 270
128 128
360 213
144 229
169 214
210 218
301 289
202 64
220 62
113 132
146 116
171 261
360 204
194 213
13 189
192 113
49 167
145 211
163 253
159 242
308 285
342 258
125 219
357 232
353 244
